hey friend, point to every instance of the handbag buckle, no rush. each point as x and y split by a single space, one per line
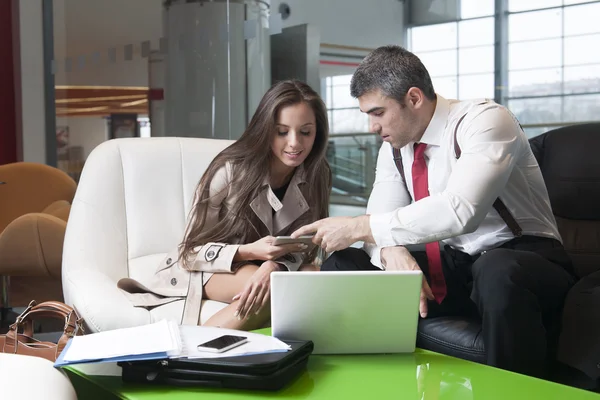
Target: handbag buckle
21 316
78 326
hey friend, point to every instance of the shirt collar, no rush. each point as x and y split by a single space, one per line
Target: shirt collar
435 130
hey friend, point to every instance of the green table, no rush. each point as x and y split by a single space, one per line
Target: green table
421 375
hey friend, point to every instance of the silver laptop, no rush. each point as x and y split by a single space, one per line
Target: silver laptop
347 312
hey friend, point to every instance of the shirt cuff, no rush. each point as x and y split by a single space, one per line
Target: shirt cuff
380 228
376 258
374 253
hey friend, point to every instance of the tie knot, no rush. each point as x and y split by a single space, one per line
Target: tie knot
420 150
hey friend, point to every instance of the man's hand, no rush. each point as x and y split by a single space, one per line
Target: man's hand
337 233
398 258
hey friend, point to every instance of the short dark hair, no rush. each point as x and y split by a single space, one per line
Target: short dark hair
393 70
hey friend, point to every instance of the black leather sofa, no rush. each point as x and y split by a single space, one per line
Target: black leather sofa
569 158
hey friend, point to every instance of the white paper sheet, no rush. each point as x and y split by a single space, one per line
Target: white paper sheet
192 336
162 336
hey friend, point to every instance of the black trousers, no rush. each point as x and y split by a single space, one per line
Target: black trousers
517 289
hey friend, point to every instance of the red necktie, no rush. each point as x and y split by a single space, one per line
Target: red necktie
434 259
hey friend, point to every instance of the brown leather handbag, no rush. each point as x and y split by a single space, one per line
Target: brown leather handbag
17 342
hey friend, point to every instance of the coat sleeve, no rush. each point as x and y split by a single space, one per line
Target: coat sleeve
213 256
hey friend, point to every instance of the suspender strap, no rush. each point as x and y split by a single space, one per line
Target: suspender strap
398 160
499 205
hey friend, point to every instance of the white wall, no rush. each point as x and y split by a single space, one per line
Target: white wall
90 28
86 27
87 132
361 23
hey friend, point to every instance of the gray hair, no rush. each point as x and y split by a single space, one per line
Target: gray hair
393 70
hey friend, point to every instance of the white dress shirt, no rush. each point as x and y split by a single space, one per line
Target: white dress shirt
496 161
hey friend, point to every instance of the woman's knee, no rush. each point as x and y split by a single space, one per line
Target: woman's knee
223 286
246 271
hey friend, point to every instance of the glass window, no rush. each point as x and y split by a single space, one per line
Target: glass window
582 79
341 97
535 25
476 60
433 37
536 54
524 5
476 32
581 108
582 50
349 121
535 131
440 63
341 80
476 8
446 86
474 55
582 19
537 111
476 86
536 82
568 2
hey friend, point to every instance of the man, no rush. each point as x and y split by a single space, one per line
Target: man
460 173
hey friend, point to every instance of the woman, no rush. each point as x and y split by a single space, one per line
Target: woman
272 180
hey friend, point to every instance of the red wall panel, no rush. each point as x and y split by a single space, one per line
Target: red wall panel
9 143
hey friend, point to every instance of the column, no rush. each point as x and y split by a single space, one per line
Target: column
208 75
34 82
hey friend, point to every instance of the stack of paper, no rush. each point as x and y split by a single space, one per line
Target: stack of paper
160 340
154 341
192 336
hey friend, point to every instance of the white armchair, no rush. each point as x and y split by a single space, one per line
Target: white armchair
129 210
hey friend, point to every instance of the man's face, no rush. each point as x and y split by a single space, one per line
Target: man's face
394 122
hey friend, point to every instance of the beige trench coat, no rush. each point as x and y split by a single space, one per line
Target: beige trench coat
172 282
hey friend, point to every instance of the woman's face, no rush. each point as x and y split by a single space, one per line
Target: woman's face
295 134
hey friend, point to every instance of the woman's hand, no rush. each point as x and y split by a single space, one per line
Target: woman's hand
264 250
257 291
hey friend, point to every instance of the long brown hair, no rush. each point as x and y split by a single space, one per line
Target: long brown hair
250 157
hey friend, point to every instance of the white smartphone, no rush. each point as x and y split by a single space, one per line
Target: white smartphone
307 240
222 343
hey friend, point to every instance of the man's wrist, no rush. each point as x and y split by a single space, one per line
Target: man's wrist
362 229
382 254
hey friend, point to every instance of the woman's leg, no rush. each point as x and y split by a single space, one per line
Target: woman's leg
223 287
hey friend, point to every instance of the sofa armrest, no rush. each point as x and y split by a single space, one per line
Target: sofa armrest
32 245
100 303
59 209
33 378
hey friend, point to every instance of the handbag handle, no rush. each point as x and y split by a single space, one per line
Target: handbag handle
49 309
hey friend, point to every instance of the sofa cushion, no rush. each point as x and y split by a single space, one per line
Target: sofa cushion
454 336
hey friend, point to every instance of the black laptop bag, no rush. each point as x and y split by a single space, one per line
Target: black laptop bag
269 371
